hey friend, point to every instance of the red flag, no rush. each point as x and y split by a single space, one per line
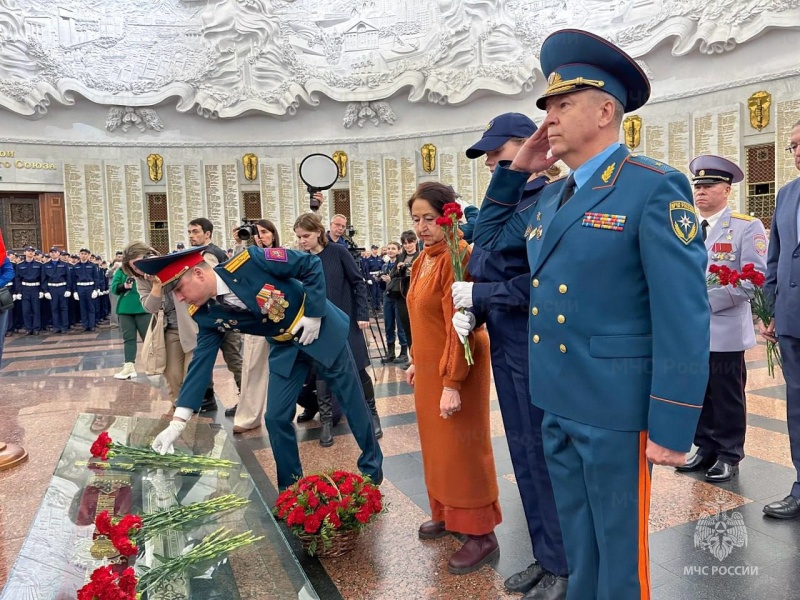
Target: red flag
2 248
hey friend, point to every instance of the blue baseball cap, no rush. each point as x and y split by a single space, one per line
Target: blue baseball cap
709 168
26 248
501 129
575 60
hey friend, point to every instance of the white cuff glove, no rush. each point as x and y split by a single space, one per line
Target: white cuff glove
462 294
41 295
94 293
75 295
164 442
17 297
310 327
463 323
48 296
67 294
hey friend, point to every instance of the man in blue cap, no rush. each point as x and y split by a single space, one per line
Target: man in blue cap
57 286
619 319
278 294
733 240
28 287
493 299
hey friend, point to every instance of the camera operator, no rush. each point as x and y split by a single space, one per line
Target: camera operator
390 312
402 271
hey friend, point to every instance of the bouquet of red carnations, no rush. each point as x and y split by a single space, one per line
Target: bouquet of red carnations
449 223
317 508
722 275
105 448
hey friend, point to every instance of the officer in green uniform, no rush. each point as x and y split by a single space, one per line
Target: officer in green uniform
279 294
619 318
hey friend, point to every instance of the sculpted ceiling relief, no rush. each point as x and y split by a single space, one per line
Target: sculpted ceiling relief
223 58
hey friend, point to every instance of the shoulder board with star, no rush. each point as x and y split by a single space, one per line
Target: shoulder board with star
742 216
236 262
652 164
192 309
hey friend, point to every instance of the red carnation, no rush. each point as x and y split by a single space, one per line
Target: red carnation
101 446
758 279
103 523
733 278
363 514
313 501
347 487
296 517
453 208
127 582
130 523
312 524
125 546
333 519
444 221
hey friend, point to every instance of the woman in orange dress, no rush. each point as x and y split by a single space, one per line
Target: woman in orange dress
451 398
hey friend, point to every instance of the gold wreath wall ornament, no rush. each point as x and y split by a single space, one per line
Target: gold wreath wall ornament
250 164
340 158
155 164
632 126
428 152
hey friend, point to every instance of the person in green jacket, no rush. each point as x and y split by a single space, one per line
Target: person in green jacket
132 318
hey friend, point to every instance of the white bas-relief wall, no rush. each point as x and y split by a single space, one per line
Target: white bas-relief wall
68 131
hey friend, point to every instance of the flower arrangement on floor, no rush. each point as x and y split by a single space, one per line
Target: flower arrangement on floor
449 224
105 584
327 511
722 275
105 448
129 532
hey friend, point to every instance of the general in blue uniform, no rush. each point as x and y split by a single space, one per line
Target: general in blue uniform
57 284
28 286
619 319
275 289
504 307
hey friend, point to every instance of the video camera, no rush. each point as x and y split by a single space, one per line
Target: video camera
247 231
355 249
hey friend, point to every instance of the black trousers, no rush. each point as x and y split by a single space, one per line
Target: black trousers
723 420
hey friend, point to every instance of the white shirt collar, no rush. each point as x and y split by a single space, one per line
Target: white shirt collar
712 220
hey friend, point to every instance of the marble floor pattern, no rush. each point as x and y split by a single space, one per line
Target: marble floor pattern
46 381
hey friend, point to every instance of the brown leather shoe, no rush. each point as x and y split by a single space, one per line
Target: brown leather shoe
476 552
431 530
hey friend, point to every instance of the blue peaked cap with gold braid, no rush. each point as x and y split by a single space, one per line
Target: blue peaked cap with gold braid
574 60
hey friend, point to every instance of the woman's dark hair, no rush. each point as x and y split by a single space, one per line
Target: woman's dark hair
435 193
408 236
270 226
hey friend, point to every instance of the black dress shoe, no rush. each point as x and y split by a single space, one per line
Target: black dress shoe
208 405
306 416
551 587
721 471
231 412
788 508
698 462
524 580
376 425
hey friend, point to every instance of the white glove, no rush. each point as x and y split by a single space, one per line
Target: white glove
94 293
48 296
67 294
463 323
75 295
310 327
41 295
163 444
462 294
17 297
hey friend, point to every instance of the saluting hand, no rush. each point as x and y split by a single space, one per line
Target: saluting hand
532 156
659 455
